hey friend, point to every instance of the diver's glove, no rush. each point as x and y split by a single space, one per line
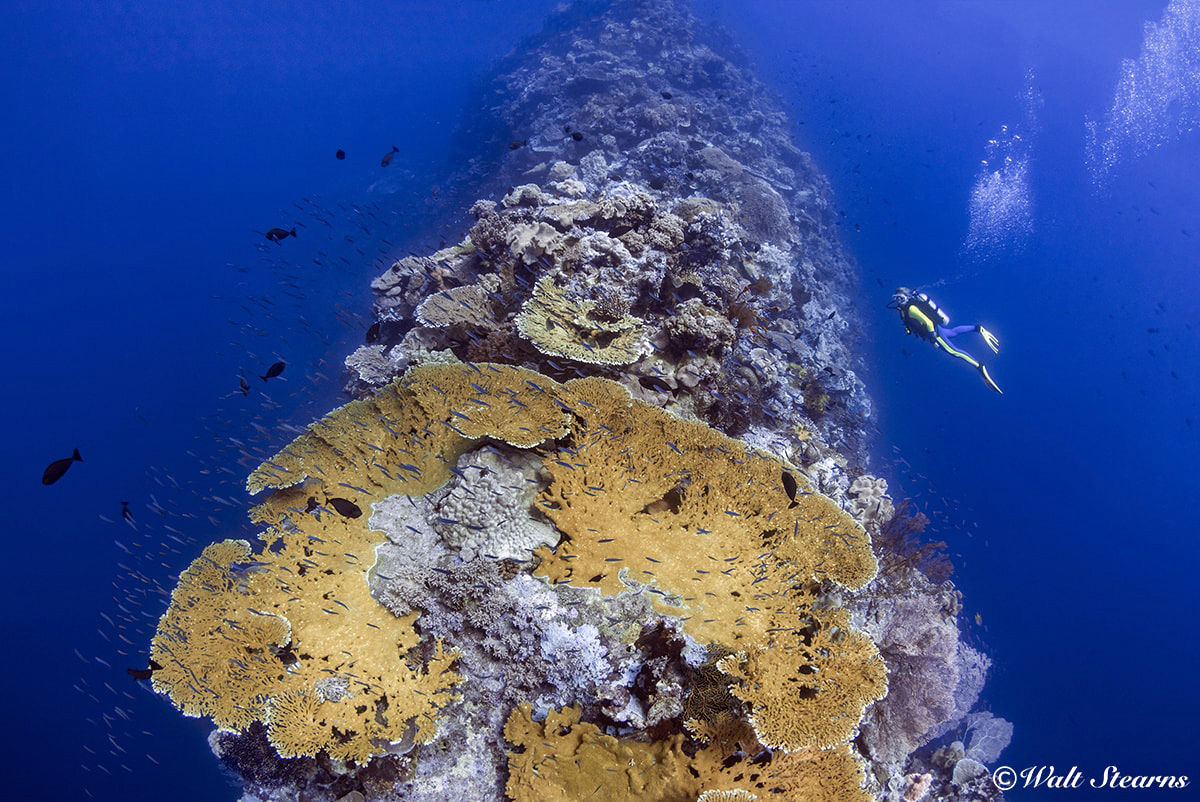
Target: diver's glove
990 339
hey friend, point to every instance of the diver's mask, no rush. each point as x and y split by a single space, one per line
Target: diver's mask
900 297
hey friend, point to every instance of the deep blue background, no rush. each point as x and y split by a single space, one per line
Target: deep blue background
1072 498
146 147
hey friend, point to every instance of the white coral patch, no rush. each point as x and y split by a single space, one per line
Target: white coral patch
489 508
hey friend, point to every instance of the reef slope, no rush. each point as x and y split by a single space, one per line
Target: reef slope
597 523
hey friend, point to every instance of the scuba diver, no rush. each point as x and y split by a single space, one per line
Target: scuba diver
921 316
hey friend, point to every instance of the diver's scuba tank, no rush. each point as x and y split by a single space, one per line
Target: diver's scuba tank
931 309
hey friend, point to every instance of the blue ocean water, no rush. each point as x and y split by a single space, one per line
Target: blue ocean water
148 148
1068 501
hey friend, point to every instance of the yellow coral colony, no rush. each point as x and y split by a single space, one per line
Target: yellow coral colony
558 327
349 682
644 499
291 636
563 759
705 523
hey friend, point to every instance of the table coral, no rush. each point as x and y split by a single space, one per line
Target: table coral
564 759
679 505
468 305
558 326
644 499
682 632
809 688
248 637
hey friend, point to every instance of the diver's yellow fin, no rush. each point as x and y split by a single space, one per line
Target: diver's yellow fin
987 378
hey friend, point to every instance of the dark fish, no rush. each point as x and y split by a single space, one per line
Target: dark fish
387 157
243 385
373 332
125 511
577 135
345 508
278 234
654 384
286 655
312 504
516 144
143 673
789 487
274 370
666 95
55 470
341 154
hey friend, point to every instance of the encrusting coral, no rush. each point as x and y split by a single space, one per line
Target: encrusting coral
486 510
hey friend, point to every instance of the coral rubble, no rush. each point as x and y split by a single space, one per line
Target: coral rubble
596 523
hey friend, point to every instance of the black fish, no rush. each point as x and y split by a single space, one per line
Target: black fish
243 385
387 157
278 234
789 487
515 144
666 95
55 470
125 511
373 332
274 370
312 504
286 655
143 673
576 135
341 154
347 509
655 384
